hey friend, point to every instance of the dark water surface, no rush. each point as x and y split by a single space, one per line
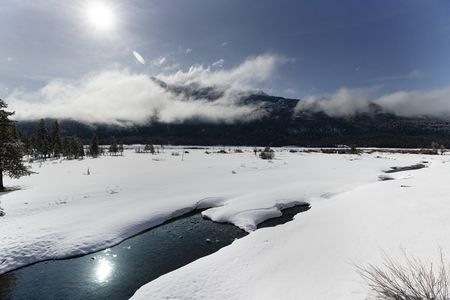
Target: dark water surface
117 272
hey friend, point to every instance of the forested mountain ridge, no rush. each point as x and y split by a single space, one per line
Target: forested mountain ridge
279 125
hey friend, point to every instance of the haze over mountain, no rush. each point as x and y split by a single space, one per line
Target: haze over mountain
270 120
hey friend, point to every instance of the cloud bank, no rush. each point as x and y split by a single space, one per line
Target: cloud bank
347 102
252 71
124 98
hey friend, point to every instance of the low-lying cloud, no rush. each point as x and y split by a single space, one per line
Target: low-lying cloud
124 98
252 71
343 102
347 102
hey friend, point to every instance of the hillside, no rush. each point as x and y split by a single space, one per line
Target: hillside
280 125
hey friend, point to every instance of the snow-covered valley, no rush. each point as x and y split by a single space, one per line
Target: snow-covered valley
62 211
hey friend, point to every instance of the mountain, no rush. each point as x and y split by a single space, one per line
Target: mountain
281 125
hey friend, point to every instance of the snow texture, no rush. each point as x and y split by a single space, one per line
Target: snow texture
62 211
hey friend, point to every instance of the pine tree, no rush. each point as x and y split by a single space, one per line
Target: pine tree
72 151
267 153
79 148
93 149
113 148
56 140
149 148
65 146
11 151
42 140
27 143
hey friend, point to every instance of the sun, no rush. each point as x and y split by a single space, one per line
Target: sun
100 16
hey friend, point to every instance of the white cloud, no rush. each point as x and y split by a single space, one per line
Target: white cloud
247 75
171 68
162 60
159 61
188 50
347 102
224 44
218 64
123 98
413 103
343 102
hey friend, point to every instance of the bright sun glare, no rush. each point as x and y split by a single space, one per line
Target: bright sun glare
100 16
103 270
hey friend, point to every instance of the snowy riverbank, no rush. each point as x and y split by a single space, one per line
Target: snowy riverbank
62 211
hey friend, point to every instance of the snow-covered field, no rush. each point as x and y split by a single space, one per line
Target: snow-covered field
61 211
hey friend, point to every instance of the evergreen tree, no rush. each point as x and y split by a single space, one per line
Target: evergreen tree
27 143
120 148
79 148
267 153
93 149
43 145
149 148
113 148
11 151
14 132
72 148
56 140
65 145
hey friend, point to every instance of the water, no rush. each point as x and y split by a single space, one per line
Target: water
288 215
117 272
407 168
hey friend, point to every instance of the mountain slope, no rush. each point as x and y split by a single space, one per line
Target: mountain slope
280 125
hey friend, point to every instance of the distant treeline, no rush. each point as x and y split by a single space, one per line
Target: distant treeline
318 130
48 142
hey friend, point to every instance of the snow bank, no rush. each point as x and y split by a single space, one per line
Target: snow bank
314 256
62 211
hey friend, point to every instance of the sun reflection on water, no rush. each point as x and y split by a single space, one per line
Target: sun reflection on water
103 270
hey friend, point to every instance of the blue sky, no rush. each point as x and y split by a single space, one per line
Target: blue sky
394 45
331 43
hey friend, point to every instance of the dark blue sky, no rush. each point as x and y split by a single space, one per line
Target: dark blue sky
398 45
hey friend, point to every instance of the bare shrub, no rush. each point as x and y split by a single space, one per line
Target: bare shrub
353 150
411 280
267 153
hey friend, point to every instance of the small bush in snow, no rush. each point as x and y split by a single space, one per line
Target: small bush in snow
411 280
354 150
267 153
149 148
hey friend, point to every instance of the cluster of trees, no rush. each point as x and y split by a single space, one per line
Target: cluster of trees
437 148
114 148
47 143
148 148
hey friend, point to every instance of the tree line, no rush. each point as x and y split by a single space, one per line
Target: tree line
49 143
